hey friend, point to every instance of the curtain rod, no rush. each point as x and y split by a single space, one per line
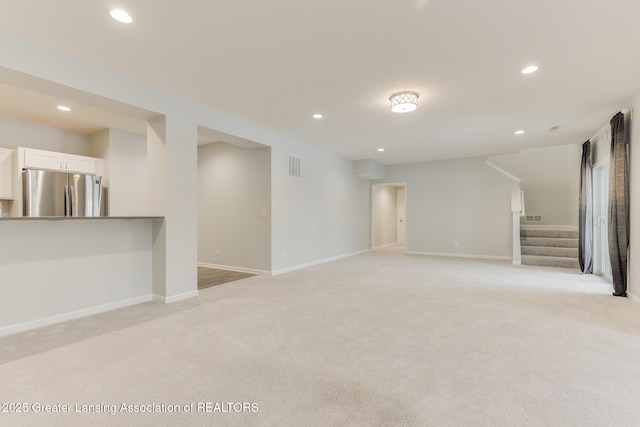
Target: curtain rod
624 111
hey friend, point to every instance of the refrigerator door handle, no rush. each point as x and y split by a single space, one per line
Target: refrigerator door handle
67 200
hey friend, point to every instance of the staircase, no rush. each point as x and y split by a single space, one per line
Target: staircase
550 247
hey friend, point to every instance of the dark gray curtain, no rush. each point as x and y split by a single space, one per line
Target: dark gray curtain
618 206
585 219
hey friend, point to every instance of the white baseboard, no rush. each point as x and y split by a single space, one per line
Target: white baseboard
232 268
452 255
175 298
46 321
516 262
312 263
633 298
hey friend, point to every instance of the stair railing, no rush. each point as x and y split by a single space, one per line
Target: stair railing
517 211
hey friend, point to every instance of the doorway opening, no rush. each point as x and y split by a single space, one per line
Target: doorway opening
234 208
601 261
388 215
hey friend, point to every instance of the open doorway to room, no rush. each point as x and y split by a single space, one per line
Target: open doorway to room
601 261
388 215
234 208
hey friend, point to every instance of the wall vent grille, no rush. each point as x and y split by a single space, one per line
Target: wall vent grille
295 166
533 218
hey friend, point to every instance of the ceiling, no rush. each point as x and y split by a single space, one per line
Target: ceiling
36 107
277 62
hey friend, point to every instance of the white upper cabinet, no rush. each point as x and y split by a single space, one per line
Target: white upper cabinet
41 159
6 173
81 164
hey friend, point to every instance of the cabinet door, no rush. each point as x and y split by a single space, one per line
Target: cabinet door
43 160
80 164
6 173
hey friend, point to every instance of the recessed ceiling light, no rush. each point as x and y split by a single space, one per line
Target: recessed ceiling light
317 116
530 69
519 132
121 16
63 108
380 149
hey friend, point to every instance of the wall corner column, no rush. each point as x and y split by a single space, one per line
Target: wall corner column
173 189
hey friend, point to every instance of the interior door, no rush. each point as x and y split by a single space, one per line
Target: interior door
401 215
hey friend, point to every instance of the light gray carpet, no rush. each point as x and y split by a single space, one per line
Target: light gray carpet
381 339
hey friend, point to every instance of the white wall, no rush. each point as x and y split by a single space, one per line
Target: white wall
550 181
322 215
125 170
14 134
234 185
171 146
456 207
55 270
99 146
385 227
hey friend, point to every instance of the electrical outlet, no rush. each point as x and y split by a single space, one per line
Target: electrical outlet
217 251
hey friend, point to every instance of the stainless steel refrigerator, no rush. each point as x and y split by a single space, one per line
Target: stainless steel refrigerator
48 193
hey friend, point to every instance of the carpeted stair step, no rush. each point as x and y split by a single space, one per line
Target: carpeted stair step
550 261
555 242
549 246
550 233
550 251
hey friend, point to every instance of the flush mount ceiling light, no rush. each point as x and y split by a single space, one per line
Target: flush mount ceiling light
404 102
317 116
530 69
63 108
121 16
381 149
519 132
